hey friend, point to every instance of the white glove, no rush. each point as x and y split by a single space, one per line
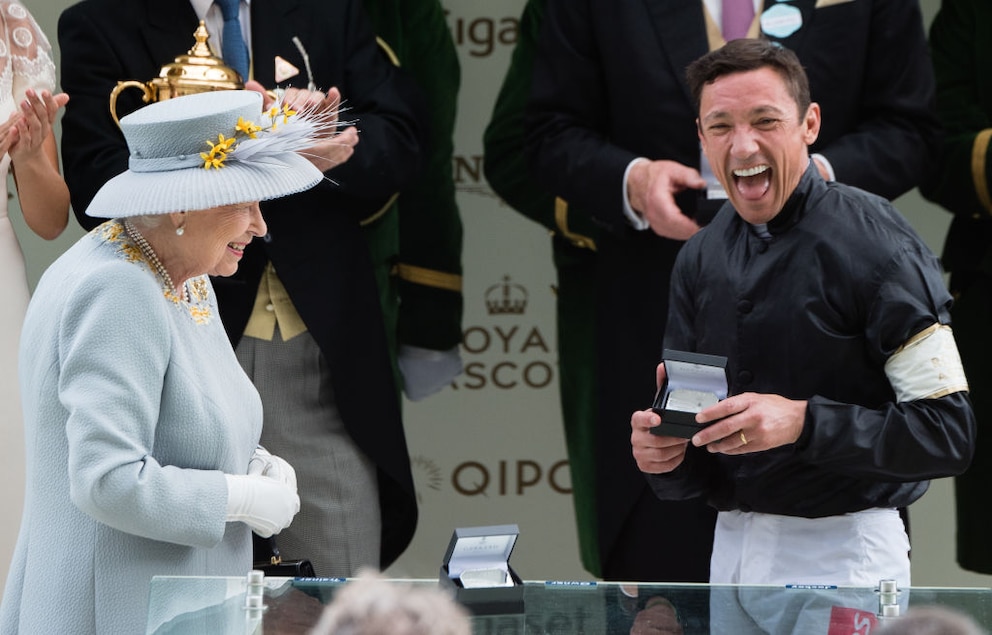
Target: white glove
426 371
265 504
263 463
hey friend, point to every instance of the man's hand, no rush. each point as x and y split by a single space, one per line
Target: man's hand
750 422
299 99
654 454
651 190
334 149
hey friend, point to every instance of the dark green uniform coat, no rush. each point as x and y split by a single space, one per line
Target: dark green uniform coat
573 238
416 241
962 56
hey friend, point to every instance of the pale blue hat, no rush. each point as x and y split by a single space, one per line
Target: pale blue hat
206 150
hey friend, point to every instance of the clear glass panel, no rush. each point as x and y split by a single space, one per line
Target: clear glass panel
218 605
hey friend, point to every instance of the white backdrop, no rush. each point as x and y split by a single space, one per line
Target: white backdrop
489 450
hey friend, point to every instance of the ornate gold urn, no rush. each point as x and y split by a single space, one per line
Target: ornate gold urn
196 72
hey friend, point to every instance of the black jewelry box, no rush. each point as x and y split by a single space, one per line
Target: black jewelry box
693 381
477 567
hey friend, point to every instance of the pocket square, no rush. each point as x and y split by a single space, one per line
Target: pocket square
285 70
827 3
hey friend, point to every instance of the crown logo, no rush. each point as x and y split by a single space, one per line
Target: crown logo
426 472
506 298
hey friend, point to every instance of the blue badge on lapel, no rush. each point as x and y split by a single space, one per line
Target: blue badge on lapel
781 20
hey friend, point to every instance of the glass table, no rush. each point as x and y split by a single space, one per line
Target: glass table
290 606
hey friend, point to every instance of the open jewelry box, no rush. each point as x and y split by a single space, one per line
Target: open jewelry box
477 567
693 381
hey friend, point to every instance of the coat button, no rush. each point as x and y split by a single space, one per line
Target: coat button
744 307
745 377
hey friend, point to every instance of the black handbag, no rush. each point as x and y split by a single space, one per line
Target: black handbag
269 561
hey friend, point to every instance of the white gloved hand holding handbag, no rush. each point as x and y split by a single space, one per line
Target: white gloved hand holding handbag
265 499
264 463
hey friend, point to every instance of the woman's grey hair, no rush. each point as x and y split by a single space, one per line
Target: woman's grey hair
149 221
371 605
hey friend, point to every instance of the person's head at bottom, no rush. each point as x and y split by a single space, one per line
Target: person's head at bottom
372 605
199 166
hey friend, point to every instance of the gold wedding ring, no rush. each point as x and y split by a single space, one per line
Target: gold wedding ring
743 438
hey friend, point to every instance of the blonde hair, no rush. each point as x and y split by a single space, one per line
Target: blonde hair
371 605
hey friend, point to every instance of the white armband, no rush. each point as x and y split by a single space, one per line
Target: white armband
927 366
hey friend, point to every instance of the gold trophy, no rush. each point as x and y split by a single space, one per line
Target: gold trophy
196 72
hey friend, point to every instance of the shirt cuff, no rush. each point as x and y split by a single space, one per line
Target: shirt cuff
633 217
826 164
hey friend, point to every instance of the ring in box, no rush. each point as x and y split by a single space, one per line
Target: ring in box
693 381
477 567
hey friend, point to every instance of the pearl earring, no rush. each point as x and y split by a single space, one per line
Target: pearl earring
180 231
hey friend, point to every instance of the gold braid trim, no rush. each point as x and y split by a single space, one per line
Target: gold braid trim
371 218
412 273
979 152
429 277
927 332
388 50
561 220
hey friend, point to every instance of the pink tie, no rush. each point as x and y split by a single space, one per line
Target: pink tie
737 18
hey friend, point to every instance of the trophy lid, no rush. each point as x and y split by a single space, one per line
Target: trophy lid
199 68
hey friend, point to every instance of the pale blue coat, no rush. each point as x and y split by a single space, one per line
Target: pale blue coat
134 407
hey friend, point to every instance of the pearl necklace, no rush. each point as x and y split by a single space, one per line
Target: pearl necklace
151 257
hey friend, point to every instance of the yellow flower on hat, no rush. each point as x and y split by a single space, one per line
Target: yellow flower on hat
247 127
212 160
273 113
285 111
223 143
218 152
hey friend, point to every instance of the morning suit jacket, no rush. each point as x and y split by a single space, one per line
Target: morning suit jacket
315 240
608 90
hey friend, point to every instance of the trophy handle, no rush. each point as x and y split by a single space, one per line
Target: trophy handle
147 95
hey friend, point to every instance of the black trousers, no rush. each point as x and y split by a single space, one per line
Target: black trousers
674 537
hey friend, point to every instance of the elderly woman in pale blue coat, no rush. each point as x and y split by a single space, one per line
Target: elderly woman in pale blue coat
141 426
